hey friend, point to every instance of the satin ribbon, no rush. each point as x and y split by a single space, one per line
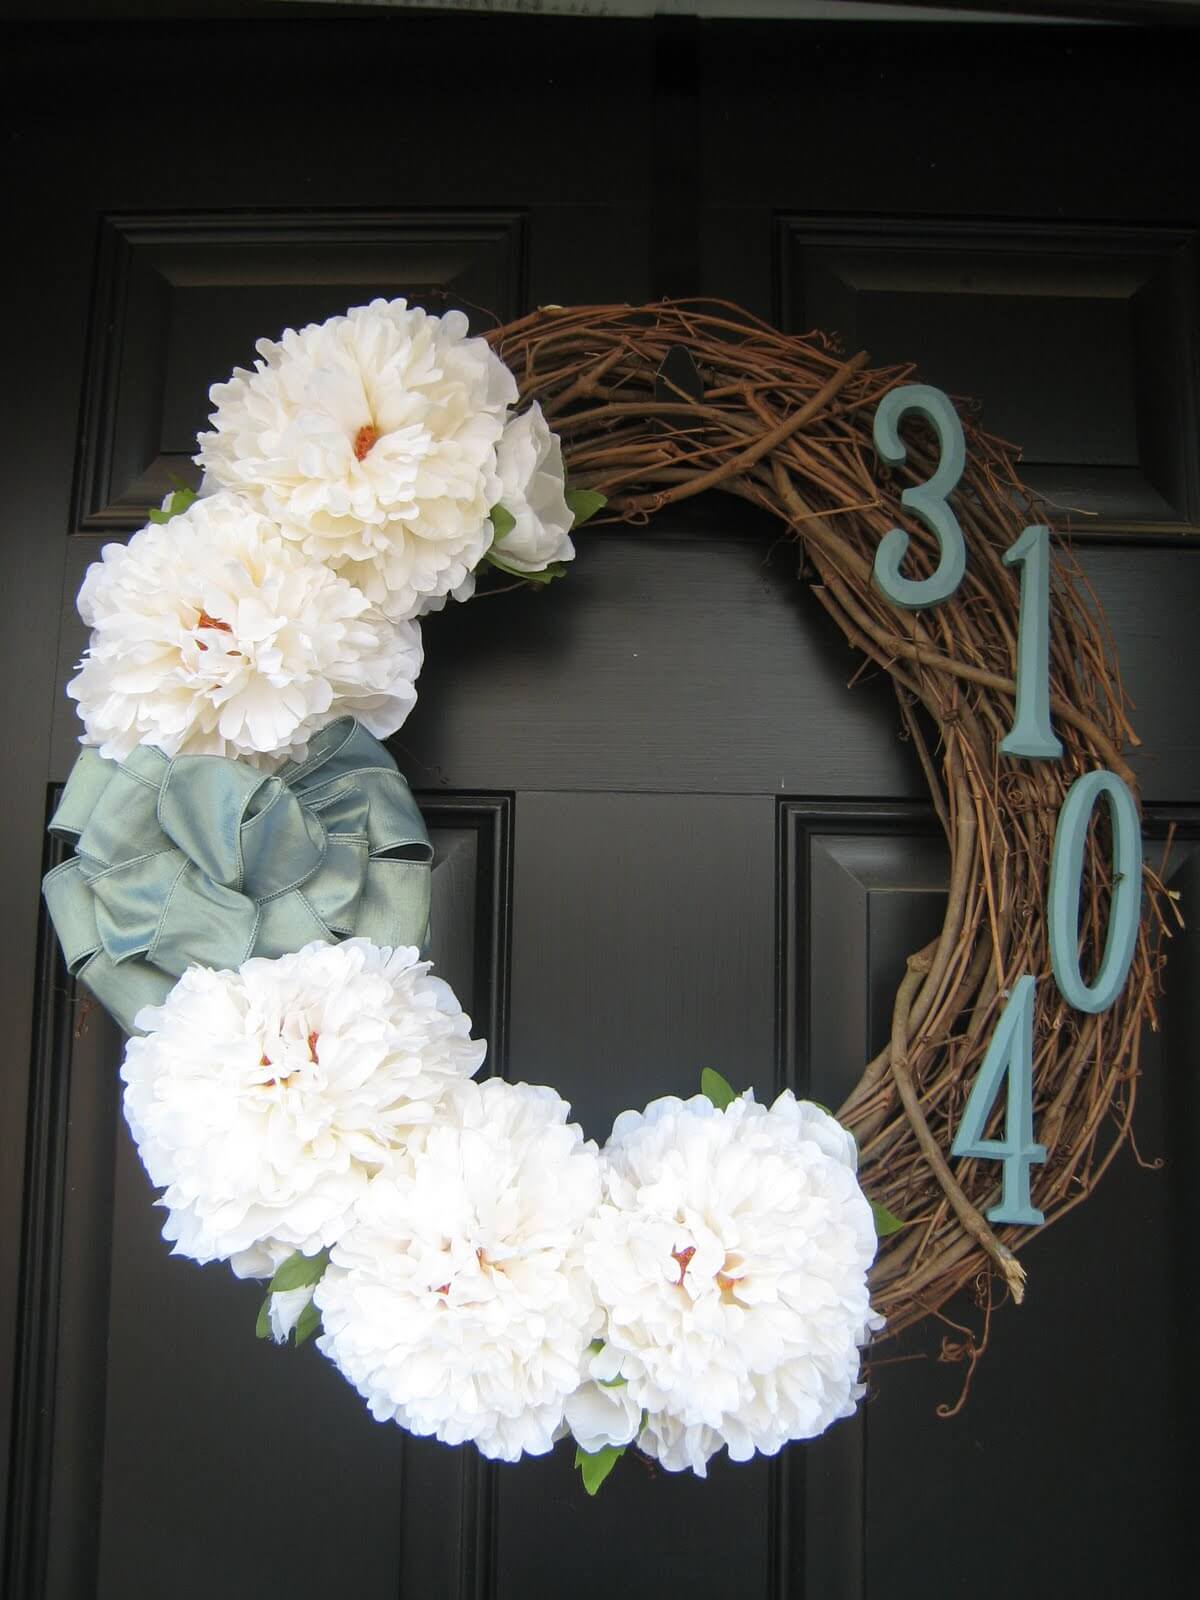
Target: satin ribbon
207 860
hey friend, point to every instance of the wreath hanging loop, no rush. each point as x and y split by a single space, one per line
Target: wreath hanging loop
785 423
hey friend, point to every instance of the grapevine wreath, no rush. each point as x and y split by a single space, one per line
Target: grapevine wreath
249 888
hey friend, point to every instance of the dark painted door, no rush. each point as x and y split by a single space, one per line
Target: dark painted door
672 835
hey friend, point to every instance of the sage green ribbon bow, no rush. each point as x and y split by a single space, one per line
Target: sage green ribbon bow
207 860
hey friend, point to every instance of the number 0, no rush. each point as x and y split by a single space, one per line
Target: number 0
1066 881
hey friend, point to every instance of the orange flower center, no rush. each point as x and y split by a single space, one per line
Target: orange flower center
265 1061
364 439
205 621
683 1257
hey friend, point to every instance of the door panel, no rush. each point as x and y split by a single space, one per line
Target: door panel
671 833
1075 341
56 1431
864 887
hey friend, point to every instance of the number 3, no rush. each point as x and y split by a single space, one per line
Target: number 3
926 500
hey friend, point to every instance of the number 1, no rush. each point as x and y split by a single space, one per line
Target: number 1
1031 733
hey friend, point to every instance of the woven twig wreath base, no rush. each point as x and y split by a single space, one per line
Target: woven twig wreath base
786 423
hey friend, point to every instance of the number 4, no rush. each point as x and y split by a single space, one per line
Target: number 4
1009 1053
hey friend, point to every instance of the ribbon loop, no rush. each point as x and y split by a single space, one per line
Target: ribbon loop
207 860
202 805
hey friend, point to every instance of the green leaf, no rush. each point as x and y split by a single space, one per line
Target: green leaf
179 501
307 1324
718 1089
503 523
298 1271
885 1221
584 503
596 1467
262 1328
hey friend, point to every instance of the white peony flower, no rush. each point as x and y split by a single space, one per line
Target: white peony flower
437 602
371 439
458 1304
599 1414
680 1448
533 489
263 1100
285 1309
212 635
730 1255
260 1259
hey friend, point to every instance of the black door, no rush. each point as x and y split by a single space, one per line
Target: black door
672 836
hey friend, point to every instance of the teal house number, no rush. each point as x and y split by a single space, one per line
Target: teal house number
1031 734
926 500
1009 1056
1010 1053
1066 882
